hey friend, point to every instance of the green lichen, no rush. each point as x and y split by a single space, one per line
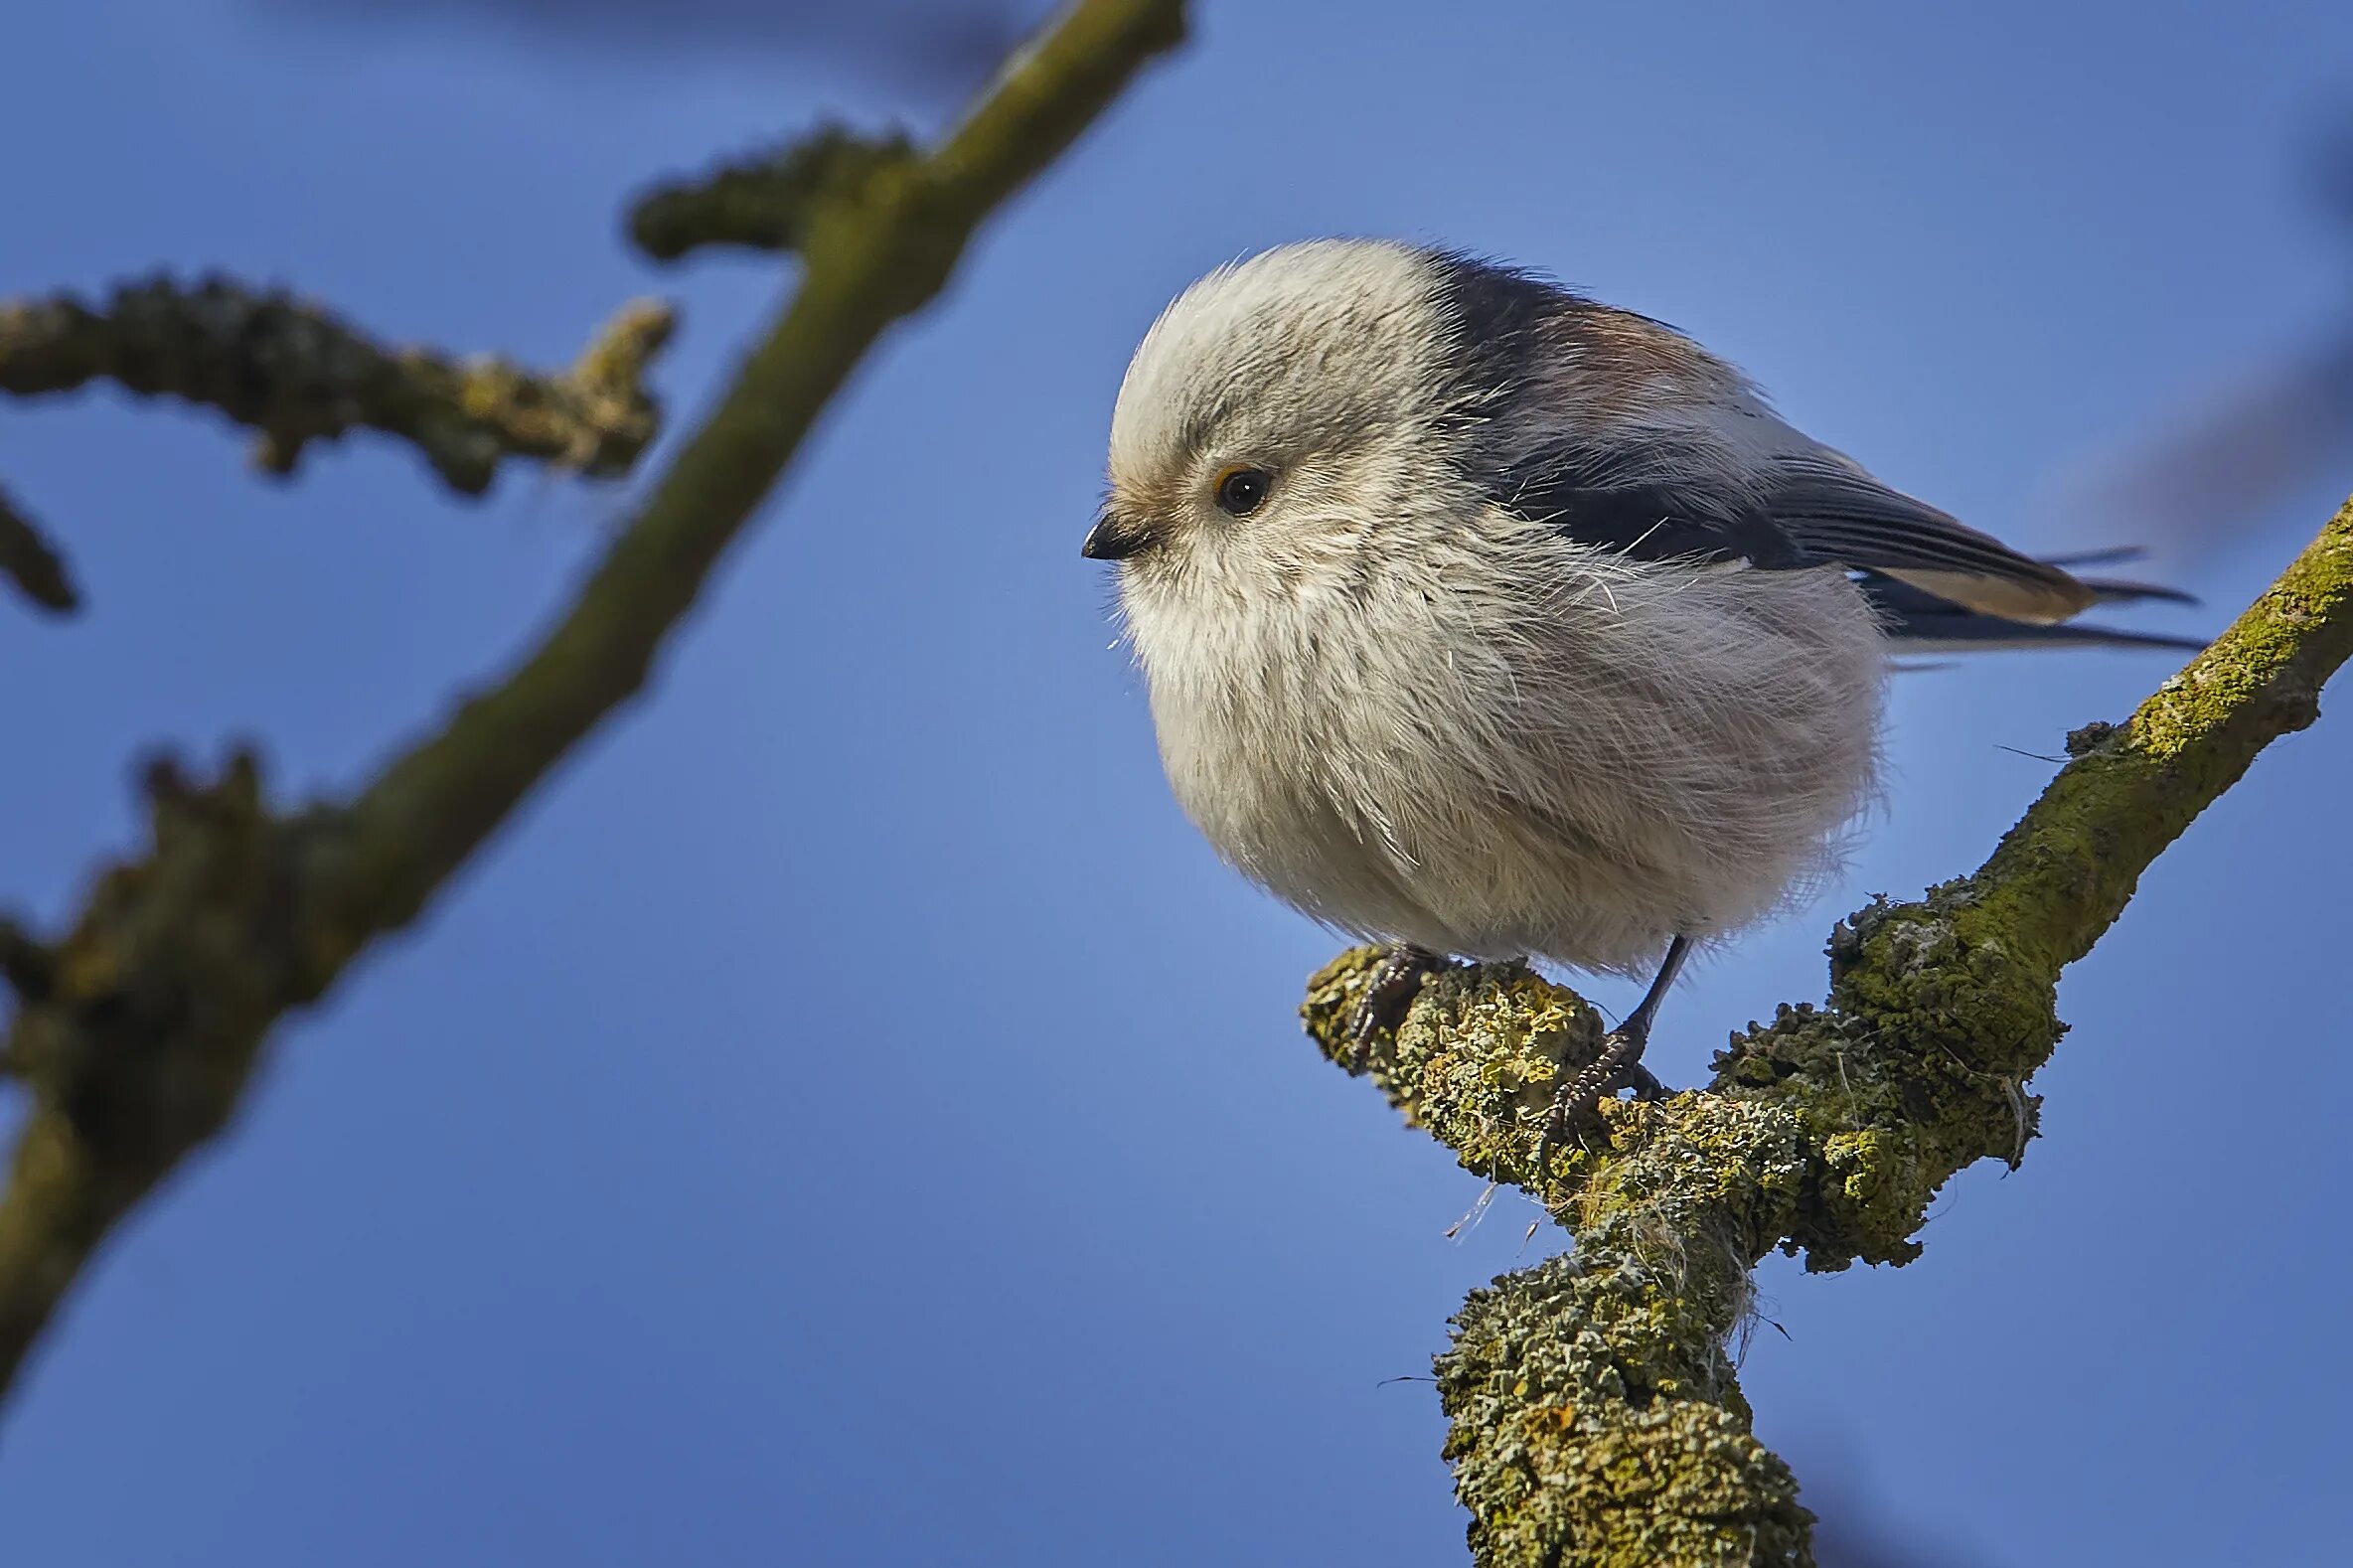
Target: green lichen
1595 1404
1560 1458
2276 656
1914 1069
1475 1058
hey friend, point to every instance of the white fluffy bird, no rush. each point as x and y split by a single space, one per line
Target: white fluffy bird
1484 620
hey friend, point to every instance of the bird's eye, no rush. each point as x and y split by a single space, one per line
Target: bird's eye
1242 491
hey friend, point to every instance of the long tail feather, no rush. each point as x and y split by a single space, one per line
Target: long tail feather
1922 622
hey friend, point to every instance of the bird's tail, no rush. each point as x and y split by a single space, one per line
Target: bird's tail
1920 622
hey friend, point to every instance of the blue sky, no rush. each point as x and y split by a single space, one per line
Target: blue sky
853 1118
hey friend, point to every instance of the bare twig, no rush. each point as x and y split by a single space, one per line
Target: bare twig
295 374
142 1025
758 203
33 563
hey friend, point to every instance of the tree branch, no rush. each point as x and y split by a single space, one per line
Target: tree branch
136 1032
296 374
1596 1416
27 560
759 203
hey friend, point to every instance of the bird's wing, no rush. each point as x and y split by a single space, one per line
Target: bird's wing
1781 510
1836 513
1645 505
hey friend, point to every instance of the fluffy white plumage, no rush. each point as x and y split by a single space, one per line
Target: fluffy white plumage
1527 628
1420 717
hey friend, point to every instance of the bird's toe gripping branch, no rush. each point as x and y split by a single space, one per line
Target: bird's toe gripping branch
1476 1054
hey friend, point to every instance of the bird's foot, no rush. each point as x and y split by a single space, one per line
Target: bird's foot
1618 1067
1390 990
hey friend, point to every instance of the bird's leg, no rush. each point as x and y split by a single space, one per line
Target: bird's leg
1620 1065
1395 982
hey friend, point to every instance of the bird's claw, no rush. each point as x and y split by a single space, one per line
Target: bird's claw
1388 992
1617 1066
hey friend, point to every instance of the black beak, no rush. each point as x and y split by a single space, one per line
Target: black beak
1114 538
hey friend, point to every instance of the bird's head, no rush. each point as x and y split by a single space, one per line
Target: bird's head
1277 415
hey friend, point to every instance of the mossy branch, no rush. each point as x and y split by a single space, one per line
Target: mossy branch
1596 1418
295 374
136 1031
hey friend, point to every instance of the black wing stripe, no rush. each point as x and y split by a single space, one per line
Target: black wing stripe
1816 515
2108 591
1855 516
1597 502
1869 543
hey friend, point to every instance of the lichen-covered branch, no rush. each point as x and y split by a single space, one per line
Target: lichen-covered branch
1595 1414
136 1031
29 561
295 374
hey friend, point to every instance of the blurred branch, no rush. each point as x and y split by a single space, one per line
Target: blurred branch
1596 1415
137 1031
33 563
295 374
758 203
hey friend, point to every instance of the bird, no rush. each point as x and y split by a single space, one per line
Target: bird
1484 621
